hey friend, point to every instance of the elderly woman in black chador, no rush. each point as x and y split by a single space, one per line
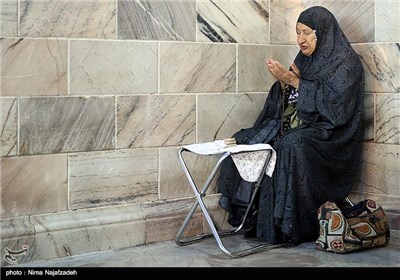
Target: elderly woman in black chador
312 118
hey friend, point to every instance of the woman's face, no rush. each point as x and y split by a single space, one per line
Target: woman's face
306 39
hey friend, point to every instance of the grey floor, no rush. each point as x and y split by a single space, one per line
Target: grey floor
206 253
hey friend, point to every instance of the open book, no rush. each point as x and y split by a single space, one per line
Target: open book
222 146
264 153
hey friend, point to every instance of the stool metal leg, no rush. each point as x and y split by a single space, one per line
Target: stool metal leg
199 202
198 195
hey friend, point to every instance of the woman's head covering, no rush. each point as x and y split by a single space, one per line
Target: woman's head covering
332 78
324 23
332 44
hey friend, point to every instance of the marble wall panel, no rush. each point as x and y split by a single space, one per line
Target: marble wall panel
244 21
159 213
155 120
93 239
83 240
89 217
71 19
16 226
113 67
387 116
112 178
173 181
217 213
368 125
163 229
356 18
66 124
387 20
33 66
212 202
16 234
23 245
173 20
8 126
35 184
380 170
283 17
167 208
381 66
8 18
66 233
220 218
197 67
220 116
253 75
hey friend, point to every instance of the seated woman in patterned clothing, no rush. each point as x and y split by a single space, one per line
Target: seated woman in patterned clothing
312 118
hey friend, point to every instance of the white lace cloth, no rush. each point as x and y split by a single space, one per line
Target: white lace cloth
249 159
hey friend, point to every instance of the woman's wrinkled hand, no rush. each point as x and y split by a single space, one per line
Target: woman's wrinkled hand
282 74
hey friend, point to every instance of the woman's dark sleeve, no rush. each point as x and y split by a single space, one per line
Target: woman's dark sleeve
271 106
267 124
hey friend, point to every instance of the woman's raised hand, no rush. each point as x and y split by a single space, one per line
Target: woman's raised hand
282 74
295 70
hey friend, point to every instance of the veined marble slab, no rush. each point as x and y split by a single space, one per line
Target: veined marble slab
387 20
195 67
33 66
8 18
155 120
245 21
113 67
221 115
387 117
253 75
57 235
112 178
34 184
69 233
173 182
8 126
71 19
380 170
66 124
381 66
356 18
173 20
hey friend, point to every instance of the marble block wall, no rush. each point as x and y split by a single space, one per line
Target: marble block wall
98 96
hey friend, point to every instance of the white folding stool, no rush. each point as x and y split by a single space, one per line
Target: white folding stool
218 148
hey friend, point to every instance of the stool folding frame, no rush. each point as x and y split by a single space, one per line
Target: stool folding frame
199 194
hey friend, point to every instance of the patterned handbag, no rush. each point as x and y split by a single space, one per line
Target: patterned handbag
348 229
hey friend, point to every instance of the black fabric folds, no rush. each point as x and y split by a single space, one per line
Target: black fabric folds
318 160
